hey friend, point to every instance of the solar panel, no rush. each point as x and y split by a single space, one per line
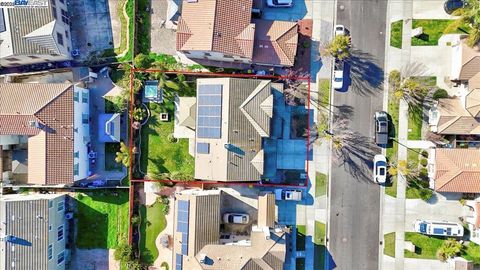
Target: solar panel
203 148
179 261
209 111
437 231
184 249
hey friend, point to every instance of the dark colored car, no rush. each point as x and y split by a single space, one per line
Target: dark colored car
451 5
381 128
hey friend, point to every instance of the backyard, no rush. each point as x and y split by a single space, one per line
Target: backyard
153 222
110 153
101 219
161 154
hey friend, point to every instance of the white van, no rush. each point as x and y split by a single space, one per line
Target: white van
438 228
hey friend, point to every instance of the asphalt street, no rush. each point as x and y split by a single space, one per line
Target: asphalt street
354 199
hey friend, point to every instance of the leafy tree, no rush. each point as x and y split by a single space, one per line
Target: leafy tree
123 156
469 15
139 114
142 61
339 47
412 91
449 249
440 93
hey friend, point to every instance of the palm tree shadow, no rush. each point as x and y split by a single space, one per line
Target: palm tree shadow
366 76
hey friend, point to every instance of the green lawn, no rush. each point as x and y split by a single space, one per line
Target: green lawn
321 184
396 30
320 230
427 247
393 110
102 219
301 233
413 157
432 31
389 244
159 154
153 222
391 188
415 115
324 105
130 10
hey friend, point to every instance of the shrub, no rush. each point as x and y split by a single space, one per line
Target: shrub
423 162
462 201
142 61
171 138
449 249
153 106
166 209
425 153
123 253
423 173
440 93
135 220
425 194
164 265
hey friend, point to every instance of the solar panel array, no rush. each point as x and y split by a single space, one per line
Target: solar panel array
209 114
179 261
182 223
203 148
2 21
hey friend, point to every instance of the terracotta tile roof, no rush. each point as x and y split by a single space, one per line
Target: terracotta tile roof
216 25
457 170
470 61
51 105
275 42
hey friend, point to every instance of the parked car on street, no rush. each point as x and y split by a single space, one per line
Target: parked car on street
337 81
438 228
380 169
339 30
451 5
280 3
236 218
381 128
288 194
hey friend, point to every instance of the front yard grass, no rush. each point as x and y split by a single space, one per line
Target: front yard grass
415 115
101 219
391 188
321 184
433 29
396 30
389 244
413 157
428 246
160 154
323 105
153 222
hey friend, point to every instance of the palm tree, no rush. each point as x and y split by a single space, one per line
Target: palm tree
339 47
449 249
469 15
123 156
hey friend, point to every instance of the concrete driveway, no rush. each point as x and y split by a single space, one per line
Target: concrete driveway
299 11
429 9
441 210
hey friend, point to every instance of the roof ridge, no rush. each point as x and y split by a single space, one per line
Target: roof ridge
284 45
475 58
54 98
448 123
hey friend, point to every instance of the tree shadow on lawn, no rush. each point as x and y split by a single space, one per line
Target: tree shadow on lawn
92 227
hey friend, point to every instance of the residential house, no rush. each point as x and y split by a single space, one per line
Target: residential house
33 232
454 170
30 35
44 133
240 130
201 241
223 30
460 115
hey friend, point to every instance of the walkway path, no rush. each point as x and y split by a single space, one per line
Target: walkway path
165 254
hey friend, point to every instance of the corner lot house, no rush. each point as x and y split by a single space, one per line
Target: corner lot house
44 133
203 240
223 30
242 130
33 232
35 35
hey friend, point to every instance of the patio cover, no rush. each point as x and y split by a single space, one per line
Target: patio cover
109 127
